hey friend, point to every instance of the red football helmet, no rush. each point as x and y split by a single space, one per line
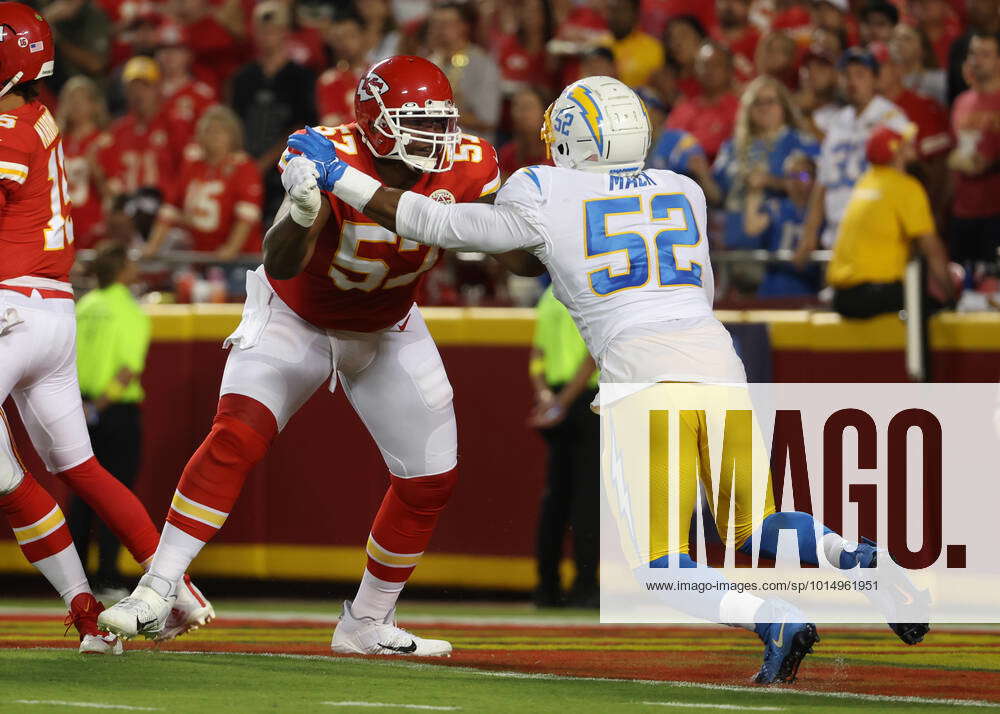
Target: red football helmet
26 49
405 110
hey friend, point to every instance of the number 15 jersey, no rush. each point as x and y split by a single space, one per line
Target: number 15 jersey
36 232
362 277
622 250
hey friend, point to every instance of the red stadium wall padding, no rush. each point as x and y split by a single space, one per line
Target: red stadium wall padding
324 478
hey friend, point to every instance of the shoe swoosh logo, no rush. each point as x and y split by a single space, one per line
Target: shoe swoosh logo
402 327
781 637
407 649
140 625
907 598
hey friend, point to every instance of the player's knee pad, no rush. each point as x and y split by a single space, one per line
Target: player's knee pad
233 443
241 434
425 493
11 473
247 411
11 468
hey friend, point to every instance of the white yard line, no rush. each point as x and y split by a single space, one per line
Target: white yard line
704 705
501 674
86 705
385 705
487 619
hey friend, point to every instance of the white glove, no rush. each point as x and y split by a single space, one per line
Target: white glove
299 180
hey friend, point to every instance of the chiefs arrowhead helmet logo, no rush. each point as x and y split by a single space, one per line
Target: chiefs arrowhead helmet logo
372 83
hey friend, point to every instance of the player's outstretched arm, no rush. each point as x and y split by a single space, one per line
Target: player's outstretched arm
464 226
518 262
461 226
290 240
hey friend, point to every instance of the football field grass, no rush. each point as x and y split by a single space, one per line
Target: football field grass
275 657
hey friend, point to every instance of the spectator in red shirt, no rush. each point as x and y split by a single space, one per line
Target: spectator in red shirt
521 52
185 98
975 120
776 58
684 36
940 23
912 52
82 118
525 148
217 36
933 139
656 15
336 86
710 116
735 33
217 201
141 152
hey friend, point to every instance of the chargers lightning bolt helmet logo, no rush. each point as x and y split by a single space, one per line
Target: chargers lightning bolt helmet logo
597 124
591 113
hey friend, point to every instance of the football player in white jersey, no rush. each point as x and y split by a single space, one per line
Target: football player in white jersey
842 157
627 251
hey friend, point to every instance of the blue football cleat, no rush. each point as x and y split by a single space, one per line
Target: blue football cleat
785 645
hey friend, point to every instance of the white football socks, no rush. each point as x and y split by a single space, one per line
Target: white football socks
375 597
65 571
174 553
739 610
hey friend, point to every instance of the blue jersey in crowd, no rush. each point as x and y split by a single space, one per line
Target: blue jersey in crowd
784 233
674 151
731 169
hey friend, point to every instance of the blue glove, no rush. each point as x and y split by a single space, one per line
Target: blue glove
321 151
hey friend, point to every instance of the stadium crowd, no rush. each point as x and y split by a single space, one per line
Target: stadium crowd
175 112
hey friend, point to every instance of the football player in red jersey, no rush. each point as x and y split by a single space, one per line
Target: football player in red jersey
334 300
217 199
37 345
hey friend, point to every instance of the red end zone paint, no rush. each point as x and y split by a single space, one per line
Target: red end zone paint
859 661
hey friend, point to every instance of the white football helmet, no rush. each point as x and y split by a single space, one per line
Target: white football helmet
597 124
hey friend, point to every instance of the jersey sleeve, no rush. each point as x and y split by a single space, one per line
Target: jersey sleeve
173 195
498 228
249 193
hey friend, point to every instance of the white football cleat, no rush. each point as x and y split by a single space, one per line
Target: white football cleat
191 610
368 636
104 643
144 612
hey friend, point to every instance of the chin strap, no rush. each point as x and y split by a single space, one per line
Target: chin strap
11 84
